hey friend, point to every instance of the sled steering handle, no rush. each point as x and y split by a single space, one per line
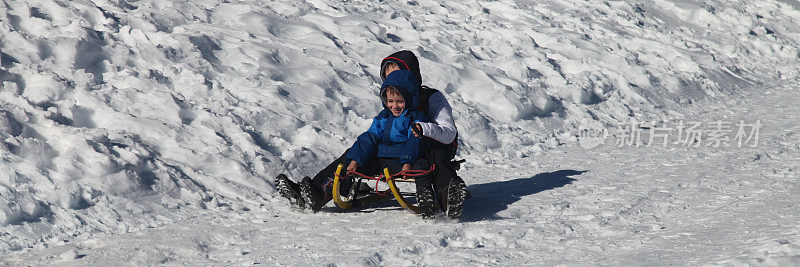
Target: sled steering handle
336 195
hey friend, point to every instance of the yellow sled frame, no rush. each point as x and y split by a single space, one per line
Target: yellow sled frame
347 204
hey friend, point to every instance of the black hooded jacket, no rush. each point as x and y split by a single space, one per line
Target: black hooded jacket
406 60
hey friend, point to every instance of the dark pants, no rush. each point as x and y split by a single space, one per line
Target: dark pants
441 155
327 173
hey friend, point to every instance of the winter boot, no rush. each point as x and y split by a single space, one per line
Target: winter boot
312 195
456 193
289 190
426 202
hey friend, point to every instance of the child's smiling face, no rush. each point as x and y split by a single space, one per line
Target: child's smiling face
395 103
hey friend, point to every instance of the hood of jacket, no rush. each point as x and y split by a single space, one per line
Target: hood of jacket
406 60
403 80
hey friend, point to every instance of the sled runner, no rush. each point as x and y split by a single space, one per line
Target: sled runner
353 200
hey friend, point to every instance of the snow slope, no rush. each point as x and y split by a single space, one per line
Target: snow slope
606 206
120 116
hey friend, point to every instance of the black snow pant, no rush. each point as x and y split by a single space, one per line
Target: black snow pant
441 155
326 174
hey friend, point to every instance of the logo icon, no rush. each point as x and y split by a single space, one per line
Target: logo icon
591 133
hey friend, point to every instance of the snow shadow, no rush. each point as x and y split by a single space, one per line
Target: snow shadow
490 198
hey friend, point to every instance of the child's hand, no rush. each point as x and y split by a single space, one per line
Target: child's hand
352 167
406 167
417 129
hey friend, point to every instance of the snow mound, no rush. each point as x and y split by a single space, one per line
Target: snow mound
115 112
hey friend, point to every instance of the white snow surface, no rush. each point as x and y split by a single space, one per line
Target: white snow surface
147 132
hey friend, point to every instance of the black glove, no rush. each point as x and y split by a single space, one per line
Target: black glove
417 129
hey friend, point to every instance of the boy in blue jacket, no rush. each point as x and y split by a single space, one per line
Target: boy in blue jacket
389 142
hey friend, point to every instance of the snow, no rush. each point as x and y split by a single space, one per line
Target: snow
148 132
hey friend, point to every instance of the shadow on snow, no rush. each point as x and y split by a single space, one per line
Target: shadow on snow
490 198
487 199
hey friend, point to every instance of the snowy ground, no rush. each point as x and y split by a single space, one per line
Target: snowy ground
148 131
610 205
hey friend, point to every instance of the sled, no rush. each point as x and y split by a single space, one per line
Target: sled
352 199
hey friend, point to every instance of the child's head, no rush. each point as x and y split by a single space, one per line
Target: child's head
394 100
403 60
399 92
387 68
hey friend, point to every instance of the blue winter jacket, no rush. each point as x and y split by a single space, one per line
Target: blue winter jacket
391 136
